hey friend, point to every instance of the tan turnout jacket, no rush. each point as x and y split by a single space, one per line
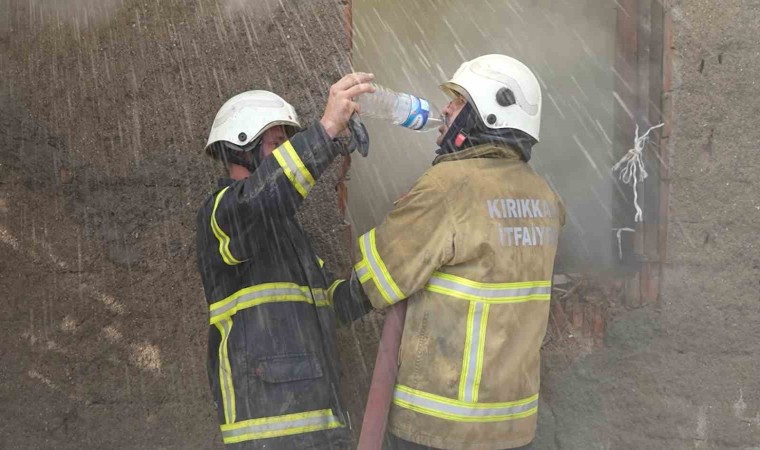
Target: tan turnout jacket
471 247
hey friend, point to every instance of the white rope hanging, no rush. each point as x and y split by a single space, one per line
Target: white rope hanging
619 232
632 167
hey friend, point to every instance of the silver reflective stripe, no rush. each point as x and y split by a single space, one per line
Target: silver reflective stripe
320 297
272 292
472 352
474 410
496 293
374 266
225 372
273 428
295 169
361 272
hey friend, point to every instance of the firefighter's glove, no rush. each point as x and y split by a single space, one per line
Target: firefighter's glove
359 138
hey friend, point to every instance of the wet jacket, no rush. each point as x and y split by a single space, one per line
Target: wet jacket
272 360
471 248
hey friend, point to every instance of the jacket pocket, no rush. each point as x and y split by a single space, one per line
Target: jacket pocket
288 367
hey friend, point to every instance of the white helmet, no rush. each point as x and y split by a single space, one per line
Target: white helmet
504 91
245 117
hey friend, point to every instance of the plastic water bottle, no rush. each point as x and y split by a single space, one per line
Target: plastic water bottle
402 109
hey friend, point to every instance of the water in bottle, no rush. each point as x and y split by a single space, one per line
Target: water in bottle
406 110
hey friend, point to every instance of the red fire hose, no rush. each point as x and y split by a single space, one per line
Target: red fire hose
383 380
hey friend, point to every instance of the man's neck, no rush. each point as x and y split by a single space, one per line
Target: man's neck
239 172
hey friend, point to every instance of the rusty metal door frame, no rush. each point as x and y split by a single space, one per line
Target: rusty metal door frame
643 84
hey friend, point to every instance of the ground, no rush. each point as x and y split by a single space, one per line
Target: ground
102 121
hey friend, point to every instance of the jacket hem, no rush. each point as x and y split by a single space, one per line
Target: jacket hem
422 438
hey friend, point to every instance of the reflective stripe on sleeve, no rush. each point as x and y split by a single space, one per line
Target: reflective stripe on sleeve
378 271
286 425
299 176
221 236
362 272
461 411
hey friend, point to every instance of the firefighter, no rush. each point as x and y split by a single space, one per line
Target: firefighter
272 359
471 249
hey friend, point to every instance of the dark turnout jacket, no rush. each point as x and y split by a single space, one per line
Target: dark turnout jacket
272 360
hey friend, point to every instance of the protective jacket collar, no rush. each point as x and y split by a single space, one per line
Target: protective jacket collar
481 151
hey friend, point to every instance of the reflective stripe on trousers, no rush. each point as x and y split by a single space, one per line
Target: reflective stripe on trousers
463 411
266 293
278 426
299 176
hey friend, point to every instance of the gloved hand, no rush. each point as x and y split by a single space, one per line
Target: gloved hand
359 140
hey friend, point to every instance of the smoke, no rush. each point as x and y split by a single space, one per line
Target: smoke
413 46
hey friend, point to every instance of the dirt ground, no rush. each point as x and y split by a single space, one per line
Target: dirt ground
102 119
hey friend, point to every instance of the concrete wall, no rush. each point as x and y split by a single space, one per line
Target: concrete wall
684 375
105 107
414 46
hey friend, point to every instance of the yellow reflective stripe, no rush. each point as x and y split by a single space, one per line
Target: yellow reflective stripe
474 348
379 272
294 168
265 293
299 163
467 349
478 284
320 296
321 262
361 270
225 372
381 263
277 426
289 173
221 236
480 353
463 411
493 293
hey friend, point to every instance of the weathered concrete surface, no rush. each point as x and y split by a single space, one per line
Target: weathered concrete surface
104 110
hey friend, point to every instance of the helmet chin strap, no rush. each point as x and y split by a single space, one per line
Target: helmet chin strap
468 130
231 154
458 134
